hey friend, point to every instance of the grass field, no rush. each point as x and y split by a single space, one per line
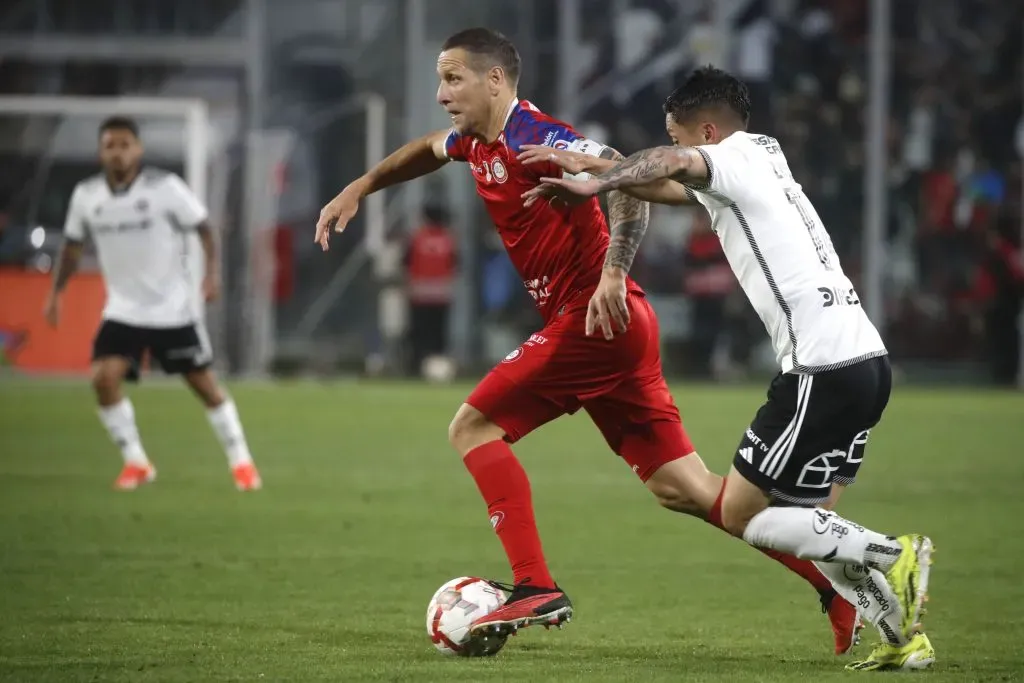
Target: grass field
325 574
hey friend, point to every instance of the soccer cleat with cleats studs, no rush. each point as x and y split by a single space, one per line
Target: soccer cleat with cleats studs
526 606
909 577
918 653
133 476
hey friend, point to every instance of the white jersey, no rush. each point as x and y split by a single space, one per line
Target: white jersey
783 257
141 235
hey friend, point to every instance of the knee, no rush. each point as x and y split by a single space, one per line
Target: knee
685 485
471 428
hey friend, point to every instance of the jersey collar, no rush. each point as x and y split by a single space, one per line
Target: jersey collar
124 189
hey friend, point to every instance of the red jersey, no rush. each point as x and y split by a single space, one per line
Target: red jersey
559 253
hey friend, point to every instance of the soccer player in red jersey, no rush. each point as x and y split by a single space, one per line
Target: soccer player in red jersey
576 269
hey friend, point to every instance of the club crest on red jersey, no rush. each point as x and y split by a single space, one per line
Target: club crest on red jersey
498 169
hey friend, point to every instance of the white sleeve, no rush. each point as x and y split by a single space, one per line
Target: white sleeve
183 203
727 171
584 146
74 224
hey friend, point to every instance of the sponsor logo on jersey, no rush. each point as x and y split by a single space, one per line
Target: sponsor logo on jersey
514 355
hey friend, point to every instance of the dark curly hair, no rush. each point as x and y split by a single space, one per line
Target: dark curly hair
709 87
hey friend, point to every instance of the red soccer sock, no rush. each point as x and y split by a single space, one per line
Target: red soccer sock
802 568
506 490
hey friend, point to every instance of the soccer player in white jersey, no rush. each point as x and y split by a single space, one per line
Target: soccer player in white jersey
806 443
139 220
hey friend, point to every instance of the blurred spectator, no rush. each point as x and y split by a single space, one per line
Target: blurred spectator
708 283
999 287
432 270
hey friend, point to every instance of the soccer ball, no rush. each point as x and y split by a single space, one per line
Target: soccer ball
454 607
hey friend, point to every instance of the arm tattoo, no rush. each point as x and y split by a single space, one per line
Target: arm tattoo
66 265
649 165
627 218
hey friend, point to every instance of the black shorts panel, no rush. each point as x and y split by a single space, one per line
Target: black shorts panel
178 350
813 429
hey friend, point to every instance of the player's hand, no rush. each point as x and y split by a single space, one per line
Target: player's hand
608 304
211 286
51 310
557 197
583 188
571 162
336 215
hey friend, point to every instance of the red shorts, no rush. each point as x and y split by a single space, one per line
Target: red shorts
618 382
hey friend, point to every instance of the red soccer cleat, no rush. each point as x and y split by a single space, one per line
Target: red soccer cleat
247 477
846 623
132 476
526 606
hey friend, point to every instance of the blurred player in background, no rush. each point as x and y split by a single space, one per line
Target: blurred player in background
807 442
575 272
139 219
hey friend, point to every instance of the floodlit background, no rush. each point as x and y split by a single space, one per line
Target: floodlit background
901 118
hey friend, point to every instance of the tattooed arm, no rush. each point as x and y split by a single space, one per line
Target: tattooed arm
627 219
687 165
682 164
608 309
659 192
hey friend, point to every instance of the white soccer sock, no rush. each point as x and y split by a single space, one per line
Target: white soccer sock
119 419
868 591
821 535
228 428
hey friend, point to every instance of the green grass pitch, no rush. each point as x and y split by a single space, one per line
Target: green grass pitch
325 574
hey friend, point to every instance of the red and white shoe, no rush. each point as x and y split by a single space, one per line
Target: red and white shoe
133 475
846 622
247 477
526 606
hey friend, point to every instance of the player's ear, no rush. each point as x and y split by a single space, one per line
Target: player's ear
495 79
708 131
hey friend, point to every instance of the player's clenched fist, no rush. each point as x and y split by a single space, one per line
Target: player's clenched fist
608 304
337 214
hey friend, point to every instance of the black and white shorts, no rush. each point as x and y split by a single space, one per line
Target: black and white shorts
179 350
812 431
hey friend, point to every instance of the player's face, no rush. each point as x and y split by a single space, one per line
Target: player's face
120 151
690 133
463 92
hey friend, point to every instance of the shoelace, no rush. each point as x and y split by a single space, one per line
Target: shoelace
508 588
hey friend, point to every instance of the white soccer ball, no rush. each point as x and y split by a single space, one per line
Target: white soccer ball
454 607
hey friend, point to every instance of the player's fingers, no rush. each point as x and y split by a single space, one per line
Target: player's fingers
560 182
592 316
604 319
532 156
538 191
620 313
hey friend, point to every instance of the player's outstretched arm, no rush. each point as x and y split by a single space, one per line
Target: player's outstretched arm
414 159
682 164
659 192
